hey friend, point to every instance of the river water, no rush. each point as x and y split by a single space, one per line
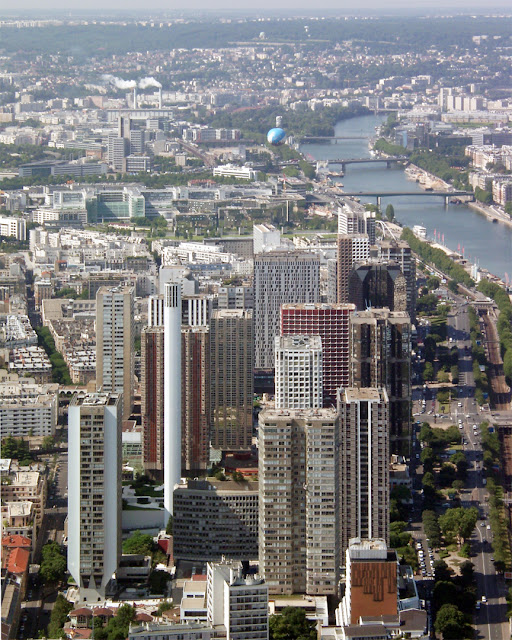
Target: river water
488 244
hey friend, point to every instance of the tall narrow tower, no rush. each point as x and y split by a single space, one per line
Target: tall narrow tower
172 392
114 343
94 504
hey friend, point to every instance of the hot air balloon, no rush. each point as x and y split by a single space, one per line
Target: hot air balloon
276 136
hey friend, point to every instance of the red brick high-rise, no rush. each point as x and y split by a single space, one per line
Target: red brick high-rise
332 323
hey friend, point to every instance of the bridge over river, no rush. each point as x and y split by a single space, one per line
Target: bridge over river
378 195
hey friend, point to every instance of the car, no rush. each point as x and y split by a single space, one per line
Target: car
460 426
478 605
488 527
482 524
484 599
492 559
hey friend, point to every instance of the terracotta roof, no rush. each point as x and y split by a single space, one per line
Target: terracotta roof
143 617
83 611
79 634
16 541
102 611
18 560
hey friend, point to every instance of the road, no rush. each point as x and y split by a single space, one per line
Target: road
490 620
36 609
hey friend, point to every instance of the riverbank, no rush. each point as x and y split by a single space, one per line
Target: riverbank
425 179
491 213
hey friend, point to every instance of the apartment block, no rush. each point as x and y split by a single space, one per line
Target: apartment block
380 356
280 277
236 602
399 252
331 323
114 343
298 377
352 248
364 464
231 379
299 511
94 481
214 519
152 400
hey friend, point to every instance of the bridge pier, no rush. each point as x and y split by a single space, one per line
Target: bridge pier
446 201
379 202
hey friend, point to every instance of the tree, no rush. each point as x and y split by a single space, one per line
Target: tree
138 543
53 565
458 523
118 627
390 212
58 617
292 624
450 622
164 606
428 371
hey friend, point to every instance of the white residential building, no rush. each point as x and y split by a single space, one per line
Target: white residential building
265 238
94 485
237 602
298 372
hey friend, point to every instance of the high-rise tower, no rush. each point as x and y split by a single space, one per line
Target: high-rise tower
364 465
331 323
231 379
280 277
114 343
94 485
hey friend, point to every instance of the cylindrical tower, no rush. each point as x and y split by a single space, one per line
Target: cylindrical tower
172 393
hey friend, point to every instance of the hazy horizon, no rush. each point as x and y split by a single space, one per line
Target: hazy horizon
364 7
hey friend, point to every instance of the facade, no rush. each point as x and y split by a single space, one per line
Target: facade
373 284
372 582
352 248
364 464
27 486
195 398
298 372
114 344
331 323
299 511
265 237
172 392
152 400
231 379
14 227
280 277
237 602
400 252
21 417
380 356
94 481
214 519
354 218
235 298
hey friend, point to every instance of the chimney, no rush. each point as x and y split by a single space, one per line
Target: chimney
134 97
160 97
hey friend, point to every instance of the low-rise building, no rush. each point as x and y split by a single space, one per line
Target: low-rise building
27 486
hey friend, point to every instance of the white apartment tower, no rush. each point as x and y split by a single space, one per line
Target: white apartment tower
298 372
114 343
364 464
236 602
265 238
172 393
299 523
280 277
94 485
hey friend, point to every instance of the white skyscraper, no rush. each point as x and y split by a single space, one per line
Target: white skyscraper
172 393
94 485
298 372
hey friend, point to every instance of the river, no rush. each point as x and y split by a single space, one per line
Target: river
488 244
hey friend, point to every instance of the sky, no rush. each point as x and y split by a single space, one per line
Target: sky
294 6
